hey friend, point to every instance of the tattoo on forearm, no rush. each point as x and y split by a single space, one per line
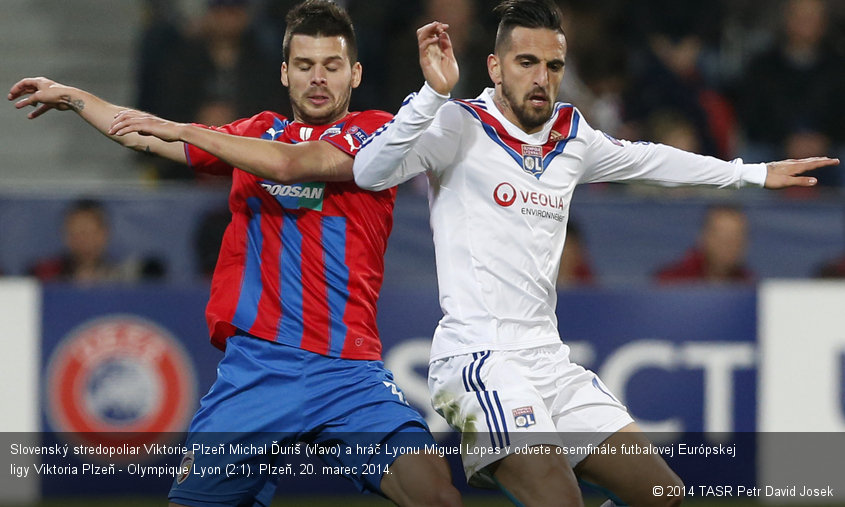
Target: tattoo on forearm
77 104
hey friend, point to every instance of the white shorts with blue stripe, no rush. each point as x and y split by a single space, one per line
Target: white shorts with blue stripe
503 401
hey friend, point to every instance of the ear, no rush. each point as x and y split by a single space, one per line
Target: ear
494 70
357 72
285 80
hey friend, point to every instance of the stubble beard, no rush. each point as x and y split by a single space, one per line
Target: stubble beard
325 117
528 117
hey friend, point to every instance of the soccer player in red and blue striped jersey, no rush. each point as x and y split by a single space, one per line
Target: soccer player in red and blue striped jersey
305 260
293 299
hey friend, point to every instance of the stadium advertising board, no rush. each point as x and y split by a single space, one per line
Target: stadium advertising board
802 385
682 360
131 363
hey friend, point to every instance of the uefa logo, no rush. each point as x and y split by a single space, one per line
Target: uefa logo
504 194
119 380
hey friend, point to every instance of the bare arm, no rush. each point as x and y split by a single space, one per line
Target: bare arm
281 162
45 94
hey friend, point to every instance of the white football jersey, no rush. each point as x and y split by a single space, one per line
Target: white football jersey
499 201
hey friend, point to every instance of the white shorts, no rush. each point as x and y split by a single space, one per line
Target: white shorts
505 401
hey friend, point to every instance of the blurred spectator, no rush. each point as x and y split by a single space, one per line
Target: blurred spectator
834 268
216 71
208 238
719 255
596 63
574 263
791 100
667 73
85 259
387 51
673 129
162 32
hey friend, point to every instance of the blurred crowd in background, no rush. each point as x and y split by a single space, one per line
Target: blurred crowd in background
757 79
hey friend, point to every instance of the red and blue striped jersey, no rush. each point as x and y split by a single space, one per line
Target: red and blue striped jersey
301 264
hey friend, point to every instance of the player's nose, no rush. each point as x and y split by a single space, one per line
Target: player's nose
318 76
541 77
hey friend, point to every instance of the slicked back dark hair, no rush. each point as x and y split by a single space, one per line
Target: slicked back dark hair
527 14
320 18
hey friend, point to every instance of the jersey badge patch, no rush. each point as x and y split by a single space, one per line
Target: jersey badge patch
532 160
523 417
612 139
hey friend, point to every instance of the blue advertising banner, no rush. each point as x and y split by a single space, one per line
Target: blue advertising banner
120 365
125 364
683 360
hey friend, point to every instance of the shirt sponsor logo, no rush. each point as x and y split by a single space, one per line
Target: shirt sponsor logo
539 204
298 195
504 194
119 380
523 417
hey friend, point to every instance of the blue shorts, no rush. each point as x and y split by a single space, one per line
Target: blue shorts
267 392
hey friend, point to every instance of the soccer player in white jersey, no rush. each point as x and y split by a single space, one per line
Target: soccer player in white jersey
502 169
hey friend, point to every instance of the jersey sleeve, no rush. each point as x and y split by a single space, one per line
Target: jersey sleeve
608 159
356 131
204 162
422 137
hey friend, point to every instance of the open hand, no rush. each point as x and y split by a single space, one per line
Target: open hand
43 94
437 59
146 124
788 173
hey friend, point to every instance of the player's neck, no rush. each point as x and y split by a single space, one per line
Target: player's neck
320 122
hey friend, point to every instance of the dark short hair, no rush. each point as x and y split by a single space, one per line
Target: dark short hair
87 205
320 18
527 14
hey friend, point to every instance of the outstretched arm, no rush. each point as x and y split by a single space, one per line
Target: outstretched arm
281 162
608 159
45 94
